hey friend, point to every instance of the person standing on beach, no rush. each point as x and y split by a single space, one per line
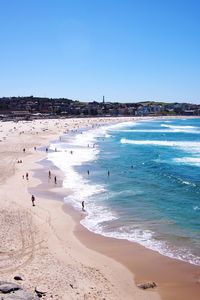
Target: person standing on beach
49 174
55 180
33 200
83 206
88 172
26 175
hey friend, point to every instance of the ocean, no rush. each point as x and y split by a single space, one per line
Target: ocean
143 183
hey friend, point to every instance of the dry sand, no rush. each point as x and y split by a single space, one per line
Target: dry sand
38 242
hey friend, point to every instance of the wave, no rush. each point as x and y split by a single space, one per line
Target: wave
196 207
181 127
188 183
186 129
193 147
160 130
193 161
142 130
120 126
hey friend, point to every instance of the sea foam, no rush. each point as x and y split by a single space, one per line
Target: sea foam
194 161
184 129
76 151
184 145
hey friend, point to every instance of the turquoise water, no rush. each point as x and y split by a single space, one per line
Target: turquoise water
152 195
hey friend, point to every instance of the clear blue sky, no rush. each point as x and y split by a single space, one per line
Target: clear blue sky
127 50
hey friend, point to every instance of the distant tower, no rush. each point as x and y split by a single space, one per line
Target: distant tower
103 99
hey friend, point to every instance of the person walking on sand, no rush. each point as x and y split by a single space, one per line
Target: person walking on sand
49 174
26 175
55 180
83 206
33 200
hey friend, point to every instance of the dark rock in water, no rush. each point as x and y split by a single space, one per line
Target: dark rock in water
19 295
17 277
147 285
8 287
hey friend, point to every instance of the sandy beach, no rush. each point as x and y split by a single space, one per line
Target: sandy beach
47 246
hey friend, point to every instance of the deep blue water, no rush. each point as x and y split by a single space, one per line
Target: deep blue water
152 195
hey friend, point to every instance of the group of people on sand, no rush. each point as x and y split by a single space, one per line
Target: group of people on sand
55 178
49 176
33 197
26 176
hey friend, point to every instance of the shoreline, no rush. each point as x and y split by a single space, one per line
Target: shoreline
169 273
47 209
176 279
146 264
38 243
